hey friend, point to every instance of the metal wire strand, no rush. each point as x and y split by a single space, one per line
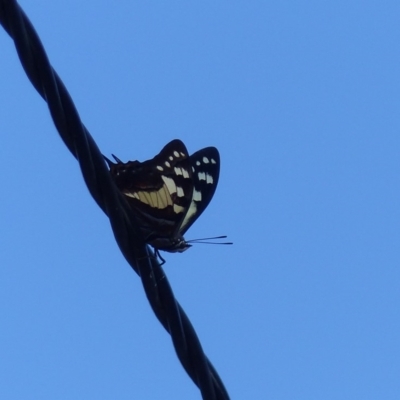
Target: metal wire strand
97 178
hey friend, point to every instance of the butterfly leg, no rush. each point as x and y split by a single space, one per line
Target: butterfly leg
157 254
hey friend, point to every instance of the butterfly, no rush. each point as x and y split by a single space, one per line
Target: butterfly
169 192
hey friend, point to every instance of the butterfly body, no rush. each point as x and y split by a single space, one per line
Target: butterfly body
169 192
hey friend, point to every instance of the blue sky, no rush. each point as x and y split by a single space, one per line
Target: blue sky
302 100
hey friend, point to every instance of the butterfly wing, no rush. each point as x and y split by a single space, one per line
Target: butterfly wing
159 190
169 192
205 165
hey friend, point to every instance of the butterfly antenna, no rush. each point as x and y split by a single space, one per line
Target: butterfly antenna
202 240
157 254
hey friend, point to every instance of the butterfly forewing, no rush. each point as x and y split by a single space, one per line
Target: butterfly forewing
159 190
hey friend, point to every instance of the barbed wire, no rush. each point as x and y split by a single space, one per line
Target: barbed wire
103 190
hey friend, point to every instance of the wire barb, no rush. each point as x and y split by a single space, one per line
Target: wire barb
100 185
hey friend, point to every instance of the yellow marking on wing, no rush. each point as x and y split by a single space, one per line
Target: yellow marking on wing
148 198
133 195
158 198
165 199
154 199
178 209
144 197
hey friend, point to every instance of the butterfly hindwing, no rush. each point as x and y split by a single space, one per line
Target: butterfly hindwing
205 173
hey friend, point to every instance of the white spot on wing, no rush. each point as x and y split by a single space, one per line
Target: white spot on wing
179 191
167 164
181 171
160 168
170 158
176 154
202 176
196 195
169 183
210 179
198 163
206 160
213 161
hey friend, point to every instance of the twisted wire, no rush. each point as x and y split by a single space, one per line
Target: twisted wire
103 190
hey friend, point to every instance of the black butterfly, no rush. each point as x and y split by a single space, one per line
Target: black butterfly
169 192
